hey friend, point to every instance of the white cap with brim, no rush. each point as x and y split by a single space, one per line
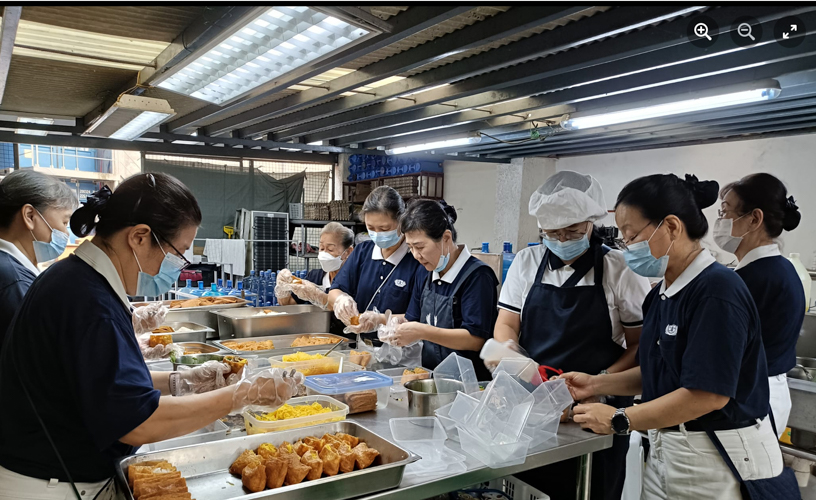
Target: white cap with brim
566 199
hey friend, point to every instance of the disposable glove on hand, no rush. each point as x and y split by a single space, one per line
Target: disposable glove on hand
345 309
158 352
206 377
310 292
283 284
511 344
148 318
369 321
271 388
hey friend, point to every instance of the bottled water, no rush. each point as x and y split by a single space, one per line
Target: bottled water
213 292
198 292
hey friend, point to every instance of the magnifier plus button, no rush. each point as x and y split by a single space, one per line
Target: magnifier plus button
702 31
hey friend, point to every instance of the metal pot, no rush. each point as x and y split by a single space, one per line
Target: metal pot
423 399
805 369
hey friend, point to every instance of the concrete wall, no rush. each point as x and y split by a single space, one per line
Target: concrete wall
471 188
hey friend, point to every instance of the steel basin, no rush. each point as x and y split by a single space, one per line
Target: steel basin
423 400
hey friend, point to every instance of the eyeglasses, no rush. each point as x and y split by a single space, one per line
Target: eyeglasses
722 213
622 243
187 263
557 235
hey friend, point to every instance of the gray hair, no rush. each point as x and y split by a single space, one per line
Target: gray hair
346 235
384 200
27 187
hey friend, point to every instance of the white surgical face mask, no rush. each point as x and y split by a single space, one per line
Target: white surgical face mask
722 234
329 262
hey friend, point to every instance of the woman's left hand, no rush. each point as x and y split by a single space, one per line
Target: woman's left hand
408 333
595 417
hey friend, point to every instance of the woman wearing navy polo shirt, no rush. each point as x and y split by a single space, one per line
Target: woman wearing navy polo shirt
753 213
71 368
702 364
380 273
34 212
454 306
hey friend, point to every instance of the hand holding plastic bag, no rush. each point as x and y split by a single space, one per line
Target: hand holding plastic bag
283 284
310 292
148 318
206 377
272 388
159 351
345 309
369 321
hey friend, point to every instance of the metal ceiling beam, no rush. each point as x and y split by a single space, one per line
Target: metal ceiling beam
412 21
564 73
11 19
566 37
506 24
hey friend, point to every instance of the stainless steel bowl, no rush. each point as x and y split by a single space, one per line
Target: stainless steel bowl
805 369
423 400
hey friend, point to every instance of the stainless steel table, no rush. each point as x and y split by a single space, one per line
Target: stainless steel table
571 442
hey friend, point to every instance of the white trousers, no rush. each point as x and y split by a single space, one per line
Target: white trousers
686 465
15 486
780 401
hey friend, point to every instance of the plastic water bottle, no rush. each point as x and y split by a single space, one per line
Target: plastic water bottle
485 247
227 289
189 288
533 244
198 292
507 258
236 292
273 280
262 290
213 292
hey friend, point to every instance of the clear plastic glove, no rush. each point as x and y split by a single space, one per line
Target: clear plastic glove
388 330
312 293
158 352
369 321
148 318
493 359
283 284
206 377
345 309
271 388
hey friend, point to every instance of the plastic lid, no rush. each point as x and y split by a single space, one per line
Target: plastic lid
341 383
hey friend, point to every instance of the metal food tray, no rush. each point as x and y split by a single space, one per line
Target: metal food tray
198 359
217 307
199 333
245 322
206 467
282 344
205 348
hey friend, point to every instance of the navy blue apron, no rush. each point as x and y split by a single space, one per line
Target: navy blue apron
437 310
569 328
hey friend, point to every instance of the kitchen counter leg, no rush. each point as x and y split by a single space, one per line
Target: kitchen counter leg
584 485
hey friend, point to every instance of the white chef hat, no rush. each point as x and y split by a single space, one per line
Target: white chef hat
567 198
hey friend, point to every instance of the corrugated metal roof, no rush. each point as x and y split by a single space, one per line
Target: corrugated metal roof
147 22
386 12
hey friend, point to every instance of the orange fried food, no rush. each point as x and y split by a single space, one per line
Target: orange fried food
166 487
249 345
364 455
297 471
142 480
297 281
347 457
148 468
254 475
315 443
286 447
355 321
235 363
331 460
348 438
161 339
242 461
267 451
361 358
307 340
164 329
312 460
301 448
171 496
276 469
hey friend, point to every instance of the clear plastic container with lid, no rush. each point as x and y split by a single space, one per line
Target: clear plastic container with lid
255 425
317 366
361 391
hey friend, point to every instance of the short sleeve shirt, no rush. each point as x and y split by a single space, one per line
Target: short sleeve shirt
703 333
624 290
366 271
15 279
88 379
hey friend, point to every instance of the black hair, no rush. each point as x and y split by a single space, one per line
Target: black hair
767 193
384 200
159 200
27 187
660 195
429 216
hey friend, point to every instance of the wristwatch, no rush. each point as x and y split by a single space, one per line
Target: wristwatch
620 422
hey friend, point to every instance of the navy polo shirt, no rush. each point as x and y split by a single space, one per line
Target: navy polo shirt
73 343
315 276
363 273
703 333
15 279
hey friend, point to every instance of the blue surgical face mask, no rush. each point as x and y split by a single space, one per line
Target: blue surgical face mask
153 286
568 250
639 258
385 239
443 262
45 252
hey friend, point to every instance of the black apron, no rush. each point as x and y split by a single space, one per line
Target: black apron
437 310
569 328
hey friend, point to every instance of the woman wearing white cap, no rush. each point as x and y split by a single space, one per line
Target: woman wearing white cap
573 304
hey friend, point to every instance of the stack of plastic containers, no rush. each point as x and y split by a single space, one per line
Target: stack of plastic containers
453 373
551 399
426 437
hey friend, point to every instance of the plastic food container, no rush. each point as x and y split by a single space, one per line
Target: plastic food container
399 376
360 391
495 455
461 407
213 432
322 366
425 436
255 426
453 372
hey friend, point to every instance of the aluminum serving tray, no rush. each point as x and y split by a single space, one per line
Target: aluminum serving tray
246 322
218 307
198 333
283 344
205 467
205 348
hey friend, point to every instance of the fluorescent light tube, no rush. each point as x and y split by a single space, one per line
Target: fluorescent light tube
671 108
42 121
130 117
462 141
263 48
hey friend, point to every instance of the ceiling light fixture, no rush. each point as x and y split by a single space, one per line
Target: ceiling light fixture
671 108
130 117
450 143
263 48
41 121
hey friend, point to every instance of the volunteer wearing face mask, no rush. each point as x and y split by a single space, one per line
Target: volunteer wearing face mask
454 306
336 245
380 273
702 363
572 304
71 369
34 213
754 211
